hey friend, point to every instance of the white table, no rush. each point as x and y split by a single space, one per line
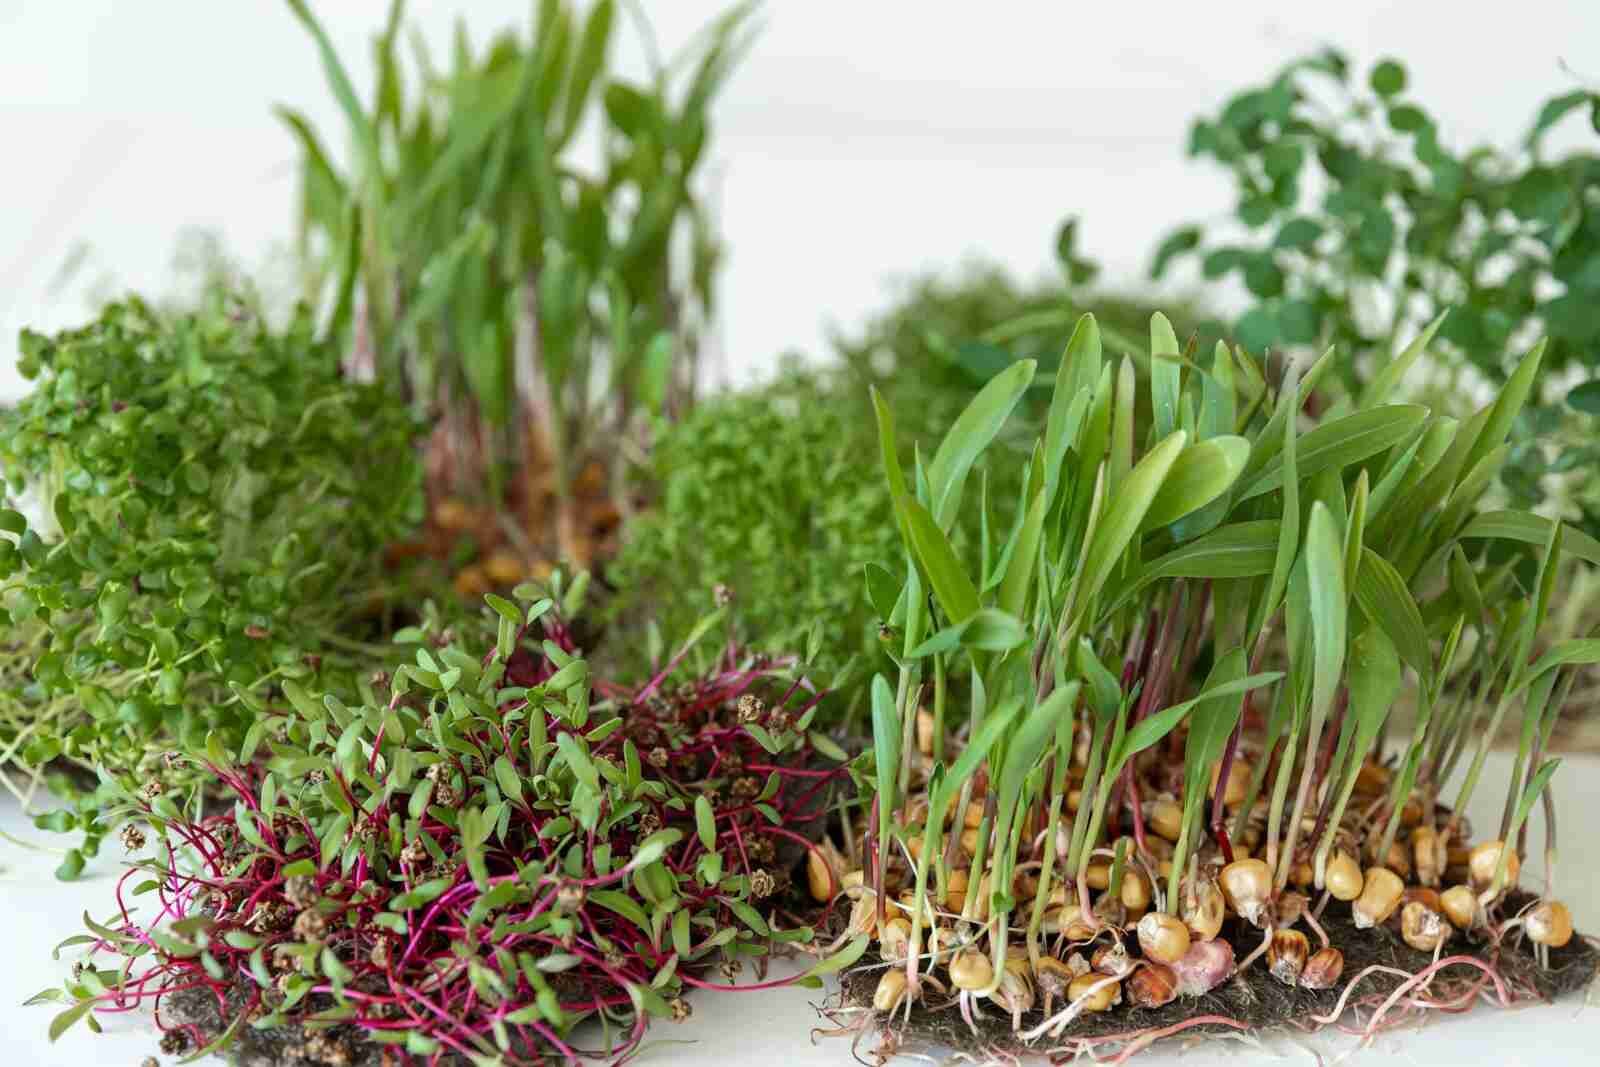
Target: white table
774 1026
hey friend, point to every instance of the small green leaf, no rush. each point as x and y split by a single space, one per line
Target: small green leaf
988 629
970 434
705 822
1128 508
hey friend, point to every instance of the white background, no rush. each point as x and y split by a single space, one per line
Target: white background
771 1027
860 141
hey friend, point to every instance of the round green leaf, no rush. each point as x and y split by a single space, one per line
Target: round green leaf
1388 78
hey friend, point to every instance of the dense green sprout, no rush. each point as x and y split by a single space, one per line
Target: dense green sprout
215 500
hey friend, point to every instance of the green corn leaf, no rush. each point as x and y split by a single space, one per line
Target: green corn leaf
970 434
1288 460
1530 529
1069 403
1237 550
1166 375
890 454
1530 795
1212 720
1573 650
361 127
1154 727
1507 405
1201 474
1018 577
1374 680
587 64
885 744
987 629
1026 747
1328 607
1120 459
1127 510
951 585
1293 398
1384 382
1337 444
1383 596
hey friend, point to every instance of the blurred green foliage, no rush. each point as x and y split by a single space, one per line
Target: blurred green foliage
1358 222
471 253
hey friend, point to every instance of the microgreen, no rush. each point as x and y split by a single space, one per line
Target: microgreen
467 248
478 858
1107 562
215 503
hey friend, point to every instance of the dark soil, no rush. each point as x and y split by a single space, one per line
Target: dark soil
1255 999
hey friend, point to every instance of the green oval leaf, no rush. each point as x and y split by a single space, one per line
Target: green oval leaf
1201 474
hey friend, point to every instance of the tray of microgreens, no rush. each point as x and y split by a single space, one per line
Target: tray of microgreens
1128 776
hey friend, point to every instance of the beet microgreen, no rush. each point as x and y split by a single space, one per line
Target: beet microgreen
484 851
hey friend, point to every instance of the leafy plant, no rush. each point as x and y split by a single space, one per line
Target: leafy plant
483 851
1311 567
211 501
1358 223
772 497
468 258
775 494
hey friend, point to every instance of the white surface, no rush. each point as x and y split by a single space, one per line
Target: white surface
858 142
774 1026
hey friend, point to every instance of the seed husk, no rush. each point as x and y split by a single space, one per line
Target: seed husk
894 940
1112 959
1247 887
1550 923
1323 969
1152 986
1084 993
971 970
1286 956
1015 994
1380 896
891 990
1343 878
1162 937
1423 928
1053 976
